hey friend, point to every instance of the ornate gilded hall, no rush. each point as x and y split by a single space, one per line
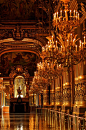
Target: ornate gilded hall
43 64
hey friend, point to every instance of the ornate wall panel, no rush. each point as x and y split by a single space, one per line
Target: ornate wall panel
80 87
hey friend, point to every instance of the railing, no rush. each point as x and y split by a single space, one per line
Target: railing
63 121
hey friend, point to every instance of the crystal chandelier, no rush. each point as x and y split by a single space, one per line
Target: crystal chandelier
69 54
82 49
49 67
49 51
65 21
48 71
38 82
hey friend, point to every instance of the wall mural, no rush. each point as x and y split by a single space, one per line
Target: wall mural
19 9
26 59
15 9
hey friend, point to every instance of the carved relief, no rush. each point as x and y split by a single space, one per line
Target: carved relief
58 96
19 70
80 93
66 94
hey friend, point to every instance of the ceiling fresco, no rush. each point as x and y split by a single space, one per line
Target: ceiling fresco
26 59
22 9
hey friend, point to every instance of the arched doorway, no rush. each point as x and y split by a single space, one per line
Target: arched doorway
19 82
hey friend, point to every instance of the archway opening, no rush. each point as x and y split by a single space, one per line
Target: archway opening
19 81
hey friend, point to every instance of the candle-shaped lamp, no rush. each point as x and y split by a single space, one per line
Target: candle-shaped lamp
56 44
76 48
78 16
70 13
57 14
84 39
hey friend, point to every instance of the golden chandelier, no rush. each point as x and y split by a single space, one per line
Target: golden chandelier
67 50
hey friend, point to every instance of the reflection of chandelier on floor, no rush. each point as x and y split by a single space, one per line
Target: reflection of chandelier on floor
66 51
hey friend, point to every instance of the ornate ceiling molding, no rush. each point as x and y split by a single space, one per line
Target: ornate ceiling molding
19 71
19 47
19 32
27 38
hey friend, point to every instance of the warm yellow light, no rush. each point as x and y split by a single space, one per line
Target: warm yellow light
65 1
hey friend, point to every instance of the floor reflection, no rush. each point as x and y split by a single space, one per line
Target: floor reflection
28 121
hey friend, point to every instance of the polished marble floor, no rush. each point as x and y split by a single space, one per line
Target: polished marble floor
27 121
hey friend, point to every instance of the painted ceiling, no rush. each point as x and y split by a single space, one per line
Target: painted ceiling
26 59
22 9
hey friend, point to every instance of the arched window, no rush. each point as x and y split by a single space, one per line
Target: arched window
19 82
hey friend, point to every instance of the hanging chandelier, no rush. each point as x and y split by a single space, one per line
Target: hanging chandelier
48 71
66 51
49 51
38 82
65 21
70 52
82 49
